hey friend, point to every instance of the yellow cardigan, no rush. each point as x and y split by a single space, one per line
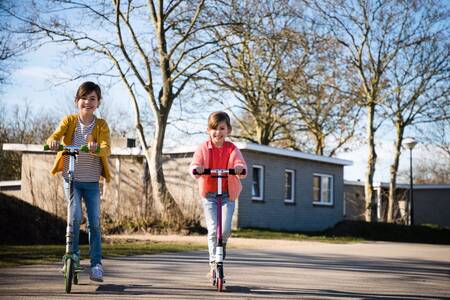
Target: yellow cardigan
66 130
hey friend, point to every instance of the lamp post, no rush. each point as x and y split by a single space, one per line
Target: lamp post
410 143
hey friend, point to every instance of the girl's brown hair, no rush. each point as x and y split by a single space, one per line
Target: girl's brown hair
86 88
217 117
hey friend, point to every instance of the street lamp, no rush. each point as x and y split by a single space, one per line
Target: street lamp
410 143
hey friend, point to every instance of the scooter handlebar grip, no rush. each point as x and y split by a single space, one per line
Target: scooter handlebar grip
233 172
205 172
85 148
47 147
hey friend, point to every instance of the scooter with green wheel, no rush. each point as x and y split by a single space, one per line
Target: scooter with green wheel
218 276
71 267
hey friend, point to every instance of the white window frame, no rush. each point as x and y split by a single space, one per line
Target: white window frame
261 183
292 200
321 201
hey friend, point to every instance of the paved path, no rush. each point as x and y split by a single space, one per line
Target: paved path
256 270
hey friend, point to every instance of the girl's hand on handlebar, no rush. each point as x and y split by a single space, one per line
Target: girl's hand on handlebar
92 147
199 170
54 145
238 170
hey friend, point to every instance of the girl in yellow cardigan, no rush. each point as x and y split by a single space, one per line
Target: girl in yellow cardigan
80 129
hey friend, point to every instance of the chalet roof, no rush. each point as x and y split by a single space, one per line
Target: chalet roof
271 150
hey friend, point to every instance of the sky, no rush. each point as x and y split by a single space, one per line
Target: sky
34 78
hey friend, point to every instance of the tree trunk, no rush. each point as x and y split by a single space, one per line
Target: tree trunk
320 142
394 169
262 134
371 208
259 134
172 213
147 199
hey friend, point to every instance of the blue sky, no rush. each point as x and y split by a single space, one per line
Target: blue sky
34 79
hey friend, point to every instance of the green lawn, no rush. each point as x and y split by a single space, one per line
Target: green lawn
11 255
357 231
282 235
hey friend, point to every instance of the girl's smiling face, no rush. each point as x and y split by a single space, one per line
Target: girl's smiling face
219 134
88 104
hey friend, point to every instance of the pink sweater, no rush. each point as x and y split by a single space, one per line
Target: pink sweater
201 159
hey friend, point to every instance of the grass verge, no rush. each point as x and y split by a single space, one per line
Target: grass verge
294 236
357 231
429 234
12 255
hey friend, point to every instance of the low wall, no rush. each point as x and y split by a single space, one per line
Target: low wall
354 202
11 187
126 196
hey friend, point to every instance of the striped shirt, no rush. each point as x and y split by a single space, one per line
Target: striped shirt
88 167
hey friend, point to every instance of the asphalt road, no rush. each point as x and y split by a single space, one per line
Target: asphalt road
285 270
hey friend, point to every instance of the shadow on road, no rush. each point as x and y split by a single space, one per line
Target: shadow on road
242 291
329 294
352 263
250 274
128 289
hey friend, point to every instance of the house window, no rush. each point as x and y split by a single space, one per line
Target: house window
323 189
289 185
258 182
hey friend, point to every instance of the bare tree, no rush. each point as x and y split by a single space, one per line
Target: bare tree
11 47
8 164
250 68
429 170
436 134
156 48
6 53
418 87
372 33
319 95
22 125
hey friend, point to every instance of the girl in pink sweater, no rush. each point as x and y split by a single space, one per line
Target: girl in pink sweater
216 153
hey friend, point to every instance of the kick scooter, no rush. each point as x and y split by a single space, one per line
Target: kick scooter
218 274
71 270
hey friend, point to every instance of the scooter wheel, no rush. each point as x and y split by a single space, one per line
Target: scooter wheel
68 276
214 278
220 284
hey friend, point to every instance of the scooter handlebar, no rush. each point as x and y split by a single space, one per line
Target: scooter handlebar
209 171
47 147
205 172
83 148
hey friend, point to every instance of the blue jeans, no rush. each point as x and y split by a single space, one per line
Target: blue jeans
210 211
90 193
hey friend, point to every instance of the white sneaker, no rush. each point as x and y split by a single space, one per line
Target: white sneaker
97 273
